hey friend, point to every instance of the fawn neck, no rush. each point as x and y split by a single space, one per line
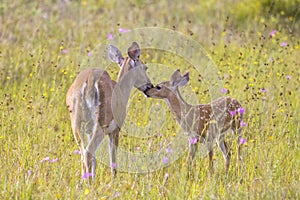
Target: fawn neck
179 107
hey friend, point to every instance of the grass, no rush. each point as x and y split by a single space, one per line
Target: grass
42 48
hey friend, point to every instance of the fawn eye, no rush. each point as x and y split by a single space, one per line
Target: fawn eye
158 87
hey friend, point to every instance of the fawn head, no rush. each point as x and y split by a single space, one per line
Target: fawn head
132 64
163 89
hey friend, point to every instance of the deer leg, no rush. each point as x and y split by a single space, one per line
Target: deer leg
113 146
95 141
210 156
226 153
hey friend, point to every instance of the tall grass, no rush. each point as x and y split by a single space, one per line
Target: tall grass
42 46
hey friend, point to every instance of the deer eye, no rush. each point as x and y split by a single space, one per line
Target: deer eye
158 87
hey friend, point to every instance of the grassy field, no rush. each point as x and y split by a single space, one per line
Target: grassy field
255 46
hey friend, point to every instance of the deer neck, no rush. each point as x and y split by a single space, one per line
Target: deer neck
179 107
120 98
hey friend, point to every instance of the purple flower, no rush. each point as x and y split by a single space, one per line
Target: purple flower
193 140
53 160
133 159
114 165
110 36
232 113
45 159
89 54
241 110
64 51
122 30
165 160
118 194
86 175
159 134
288 77
224 90
29 172
167 175
263 90
242 123
77 152
242 140
272 34
283 44
169 150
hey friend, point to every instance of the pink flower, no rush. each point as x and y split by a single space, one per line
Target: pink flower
122 30
224 90
288 77
77 152
169 150
86 175
232 113
64 51
242 123
242 140
272 34
283 44
89 54
114 165
193 140
263 90
53 160
241 110
45 159
165 160
109 36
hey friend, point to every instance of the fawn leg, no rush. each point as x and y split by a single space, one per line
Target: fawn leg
226 153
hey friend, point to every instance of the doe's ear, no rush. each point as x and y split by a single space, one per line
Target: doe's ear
184 79
115 55
134 51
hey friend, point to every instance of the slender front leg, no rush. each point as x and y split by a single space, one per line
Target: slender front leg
210 151
226 153
96 139
113 146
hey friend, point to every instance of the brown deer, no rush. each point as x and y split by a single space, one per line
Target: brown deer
202 122
97 104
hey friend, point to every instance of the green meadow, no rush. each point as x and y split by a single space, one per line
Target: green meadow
254 44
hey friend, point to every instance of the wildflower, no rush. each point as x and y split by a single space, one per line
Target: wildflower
110 36
118 194
288 77
114 165
133 159
121 30
263 90
89 54
167 175
53 160
224 90
241 110
243 141
242 123
64 51
29 172
232 113
45 159
283 44
77 151
86 175
272 34
165 160
169 150
193 140
86 191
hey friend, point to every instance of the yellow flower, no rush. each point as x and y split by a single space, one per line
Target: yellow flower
86 191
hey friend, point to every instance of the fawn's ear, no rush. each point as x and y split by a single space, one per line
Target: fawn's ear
175 77
134 51
184 79
115 55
